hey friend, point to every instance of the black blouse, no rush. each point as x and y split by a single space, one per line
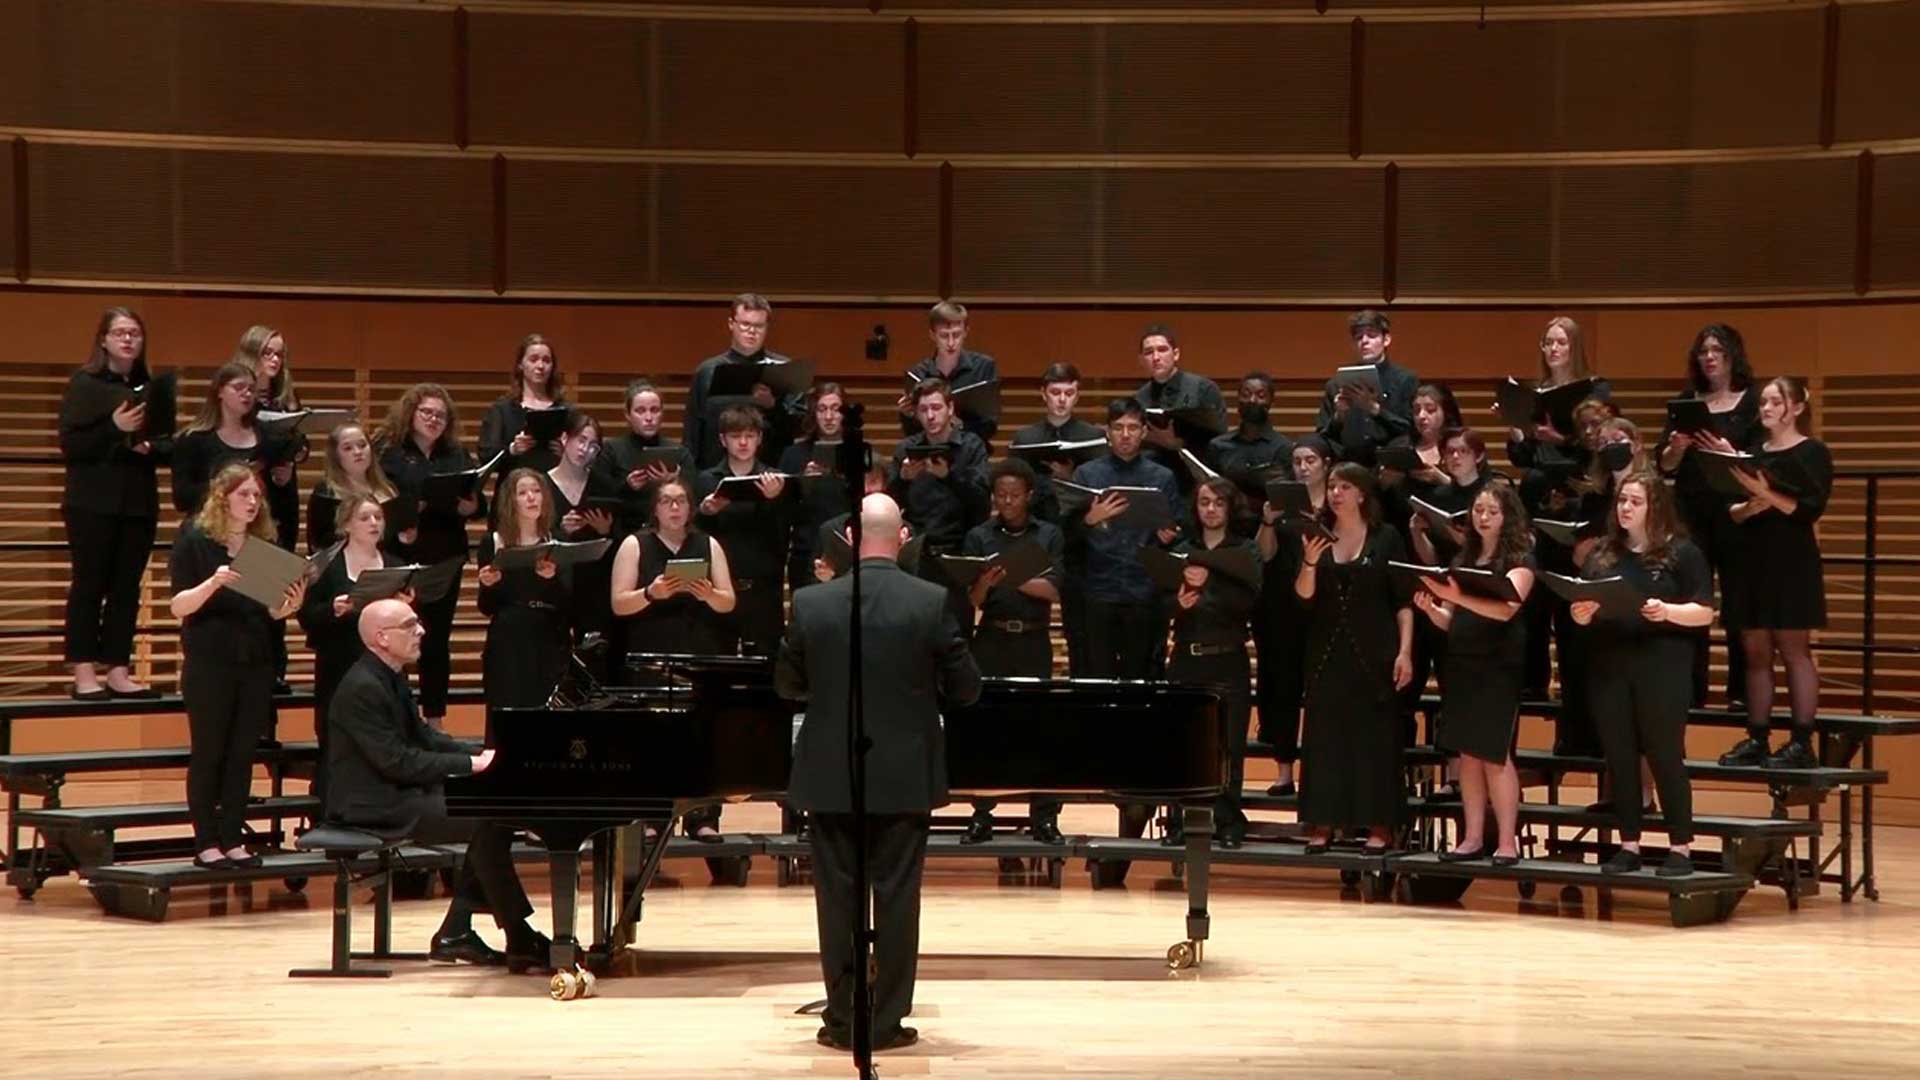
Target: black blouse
443 532
104 475
682 623
505 419
229 628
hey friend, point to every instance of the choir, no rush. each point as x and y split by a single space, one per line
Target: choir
1359 559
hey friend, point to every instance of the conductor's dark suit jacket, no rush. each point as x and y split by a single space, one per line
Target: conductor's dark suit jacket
915 661
385 766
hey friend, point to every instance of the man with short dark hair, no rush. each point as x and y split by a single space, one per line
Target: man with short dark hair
1060 393
1012 635
749 321
753 530
1252 448
1126 626
1170 389
953 362
386 770
915 664
1356 420
940 474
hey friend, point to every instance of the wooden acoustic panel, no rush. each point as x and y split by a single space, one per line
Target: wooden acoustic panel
256 218
1598 84
1133 88
581 226
800 230
1877 94
187 66
1627 230
1896 221
1167 232
9 243
687 84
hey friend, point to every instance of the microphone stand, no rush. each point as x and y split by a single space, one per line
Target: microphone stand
852 466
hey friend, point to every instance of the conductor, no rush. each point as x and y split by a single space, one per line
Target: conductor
386 769
914 661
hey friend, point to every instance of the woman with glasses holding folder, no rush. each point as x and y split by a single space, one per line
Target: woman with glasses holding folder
673 594
110 502
528 642
421 439
328 614
1640 682
226 644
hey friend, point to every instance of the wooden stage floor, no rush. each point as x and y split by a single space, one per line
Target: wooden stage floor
1015 981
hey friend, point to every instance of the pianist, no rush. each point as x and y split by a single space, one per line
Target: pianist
914 662
386 768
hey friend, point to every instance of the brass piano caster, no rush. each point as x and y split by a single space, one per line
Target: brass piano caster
571 985
1183 955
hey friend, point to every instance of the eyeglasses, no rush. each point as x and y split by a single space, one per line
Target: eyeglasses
748 327
430 414
124 334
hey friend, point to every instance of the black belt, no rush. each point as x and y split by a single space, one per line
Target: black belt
1016 626
1208 648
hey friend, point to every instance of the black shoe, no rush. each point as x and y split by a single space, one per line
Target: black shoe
245 862
464 948
282 686
1318 847
1233 837
904 1036
1046 831
221 863
1457 855
1506 860
834 1038
529 953
1173 838
145 693
694 833
1676 865
99 693
1281 791
1794 755
1748 751
979 830
1623 862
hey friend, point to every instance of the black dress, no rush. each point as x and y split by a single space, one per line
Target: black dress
504 419
822 498
527 640
441 534
1351 750
681 623
1280 633
1773 578
590 608
1486 667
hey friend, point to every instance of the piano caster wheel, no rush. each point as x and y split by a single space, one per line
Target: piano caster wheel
1183 955
571 985
1527 889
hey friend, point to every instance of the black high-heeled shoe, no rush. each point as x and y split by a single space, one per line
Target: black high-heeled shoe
1459 855
220 863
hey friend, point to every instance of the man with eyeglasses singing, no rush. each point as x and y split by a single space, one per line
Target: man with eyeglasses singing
748 324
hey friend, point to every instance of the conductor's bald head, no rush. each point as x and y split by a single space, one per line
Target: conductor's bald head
881 532
391 631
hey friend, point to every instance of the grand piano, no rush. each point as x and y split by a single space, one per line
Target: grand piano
694 731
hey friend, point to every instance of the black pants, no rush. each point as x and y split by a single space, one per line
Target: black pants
1029 654
1231 672
109 553
228 707
1574 729
896 855
1073 624
436 655
1640 693
486 880
1124 639
759 615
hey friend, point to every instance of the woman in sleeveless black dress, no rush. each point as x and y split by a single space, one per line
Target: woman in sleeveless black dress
1486 667
527 640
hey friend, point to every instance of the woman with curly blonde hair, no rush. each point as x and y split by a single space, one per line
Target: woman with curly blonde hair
226 643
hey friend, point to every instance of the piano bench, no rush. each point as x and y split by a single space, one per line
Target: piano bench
344 847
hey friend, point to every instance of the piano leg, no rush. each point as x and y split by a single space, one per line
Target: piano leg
565 867
1198 824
